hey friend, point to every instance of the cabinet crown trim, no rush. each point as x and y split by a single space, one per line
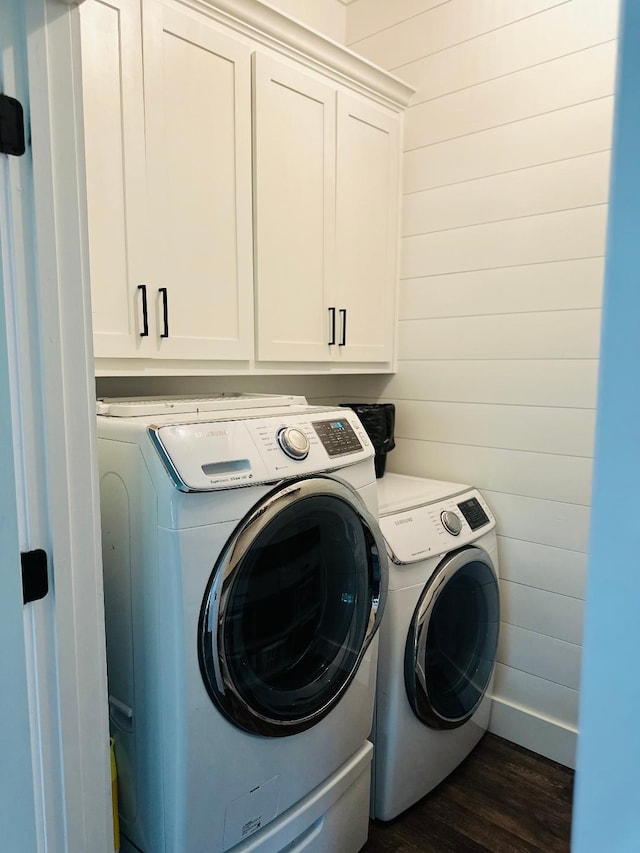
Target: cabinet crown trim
268 26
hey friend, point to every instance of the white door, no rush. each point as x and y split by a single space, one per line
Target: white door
294 213
198 125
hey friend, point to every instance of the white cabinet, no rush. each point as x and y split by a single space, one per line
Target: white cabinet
221 135
326 203
295 211
115 164
367 199
169 183
198 129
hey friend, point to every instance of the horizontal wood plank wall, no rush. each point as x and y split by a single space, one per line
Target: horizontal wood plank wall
326 16
506 177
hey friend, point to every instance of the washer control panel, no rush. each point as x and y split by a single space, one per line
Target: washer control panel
293 442
451 522
337 436
473 512
219 454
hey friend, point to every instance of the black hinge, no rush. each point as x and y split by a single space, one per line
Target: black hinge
35 577
11 126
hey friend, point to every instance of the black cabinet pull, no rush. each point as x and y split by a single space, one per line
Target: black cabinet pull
343 340
165 312
332 314
145 316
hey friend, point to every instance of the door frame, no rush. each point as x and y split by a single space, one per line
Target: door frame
46 376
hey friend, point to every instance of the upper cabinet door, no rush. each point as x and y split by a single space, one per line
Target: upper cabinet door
294 212
367 199
198 125
115 166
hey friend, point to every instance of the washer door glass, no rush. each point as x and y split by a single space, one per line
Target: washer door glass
291 607
452 642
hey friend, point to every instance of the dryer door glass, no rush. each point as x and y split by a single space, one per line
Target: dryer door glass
292 605
451 647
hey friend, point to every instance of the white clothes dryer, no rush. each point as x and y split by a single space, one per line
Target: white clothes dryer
438 637
245 576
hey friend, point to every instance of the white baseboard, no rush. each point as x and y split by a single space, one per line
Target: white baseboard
544 736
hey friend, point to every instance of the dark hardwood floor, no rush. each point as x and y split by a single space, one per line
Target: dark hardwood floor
503 799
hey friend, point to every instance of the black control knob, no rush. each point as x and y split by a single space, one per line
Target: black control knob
293 442
451 522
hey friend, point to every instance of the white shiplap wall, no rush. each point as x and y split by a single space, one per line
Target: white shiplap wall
326 16
506 171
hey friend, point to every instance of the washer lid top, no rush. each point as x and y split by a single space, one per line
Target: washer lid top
397 492
135 407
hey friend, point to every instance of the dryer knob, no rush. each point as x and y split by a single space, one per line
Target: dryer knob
451 522
293 442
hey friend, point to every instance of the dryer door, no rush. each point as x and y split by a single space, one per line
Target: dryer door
452 641
291 606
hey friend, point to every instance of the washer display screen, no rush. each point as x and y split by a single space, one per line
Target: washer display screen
473 513
337 437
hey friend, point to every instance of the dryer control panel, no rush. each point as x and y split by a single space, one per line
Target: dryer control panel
436 528
219 454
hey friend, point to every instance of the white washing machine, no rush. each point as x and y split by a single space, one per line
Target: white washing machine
438 637
245 576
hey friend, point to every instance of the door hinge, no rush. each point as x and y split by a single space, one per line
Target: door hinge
35 576
11 126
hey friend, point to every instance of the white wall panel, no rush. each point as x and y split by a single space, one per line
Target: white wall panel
577 182
545 612
551 334
569 80
557 285
372 16
564 235
560 525
542 656
442 26
572 132
506 180
561 30
315 388
537 429
552 738
541 566
537 694
536 475
327 16
535 382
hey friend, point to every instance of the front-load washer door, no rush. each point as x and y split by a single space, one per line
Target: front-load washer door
451 645
291 606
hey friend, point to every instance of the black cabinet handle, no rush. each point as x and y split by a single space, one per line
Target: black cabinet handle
165 312
343 340
332 314
145 316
